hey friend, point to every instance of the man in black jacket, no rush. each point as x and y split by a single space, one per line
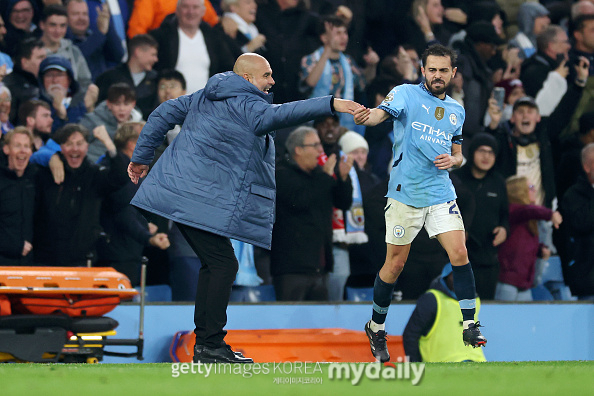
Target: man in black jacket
301 253
67 214
23 82
191 46
578 212
489 227
129 232
17 195
137 72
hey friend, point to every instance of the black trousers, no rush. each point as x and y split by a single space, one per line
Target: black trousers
216 277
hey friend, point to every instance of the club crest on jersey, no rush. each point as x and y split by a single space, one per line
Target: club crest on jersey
439 113
398 231
389 97
453 119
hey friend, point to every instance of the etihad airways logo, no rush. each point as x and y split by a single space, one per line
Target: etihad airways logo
429 130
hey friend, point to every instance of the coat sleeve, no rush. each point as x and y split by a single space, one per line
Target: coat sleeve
265 118
342 193
419 324
578 211
529 212
162 119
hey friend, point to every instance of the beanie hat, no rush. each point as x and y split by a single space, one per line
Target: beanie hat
482 139
351 141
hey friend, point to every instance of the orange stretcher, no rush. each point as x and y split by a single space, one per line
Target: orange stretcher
55 314
292 345
74 291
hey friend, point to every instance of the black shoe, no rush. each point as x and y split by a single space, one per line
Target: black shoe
237 353
377 342
223 354
472 336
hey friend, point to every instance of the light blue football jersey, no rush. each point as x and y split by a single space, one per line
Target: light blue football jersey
424 127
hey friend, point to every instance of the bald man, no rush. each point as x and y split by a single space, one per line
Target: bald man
216 180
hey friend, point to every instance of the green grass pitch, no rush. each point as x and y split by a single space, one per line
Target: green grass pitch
483 379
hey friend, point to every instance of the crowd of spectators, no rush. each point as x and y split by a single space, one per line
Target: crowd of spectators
78 79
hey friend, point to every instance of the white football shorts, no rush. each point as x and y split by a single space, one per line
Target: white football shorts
404 222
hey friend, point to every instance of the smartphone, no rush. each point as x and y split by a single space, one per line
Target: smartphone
499 96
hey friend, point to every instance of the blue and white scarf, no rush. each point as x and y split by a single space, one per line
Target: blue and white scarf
353 231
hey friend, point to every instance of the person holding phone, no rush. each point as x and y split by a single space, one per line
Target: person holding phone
551 56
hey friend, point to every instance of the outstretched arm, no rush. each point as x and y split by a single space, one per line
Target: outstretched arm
370 117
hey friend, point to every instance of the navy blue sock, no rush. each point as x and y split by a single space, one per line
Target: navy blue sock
465 290
382 297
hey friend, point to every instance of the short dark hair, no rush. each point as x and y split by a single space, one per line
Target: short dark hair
29 109
25 49
171 74
439 50
141 40
53 9
120 89
581 20
64 133
333 20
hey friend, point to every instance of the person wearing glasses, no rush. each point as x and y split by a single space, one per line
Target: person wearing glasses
301 254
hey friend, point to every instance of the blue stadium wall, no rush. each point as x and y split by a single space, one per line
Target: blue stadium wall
516 332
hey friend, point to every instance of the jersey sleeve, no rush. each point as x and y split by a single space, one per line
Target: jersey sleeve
457 138
395 102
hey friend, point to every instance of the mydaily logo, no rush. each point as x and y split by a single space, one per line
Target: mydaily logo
355 372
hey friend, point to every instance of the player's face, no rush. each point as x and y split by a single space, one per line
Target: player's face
43 120
329 130
78 17
75 150
54 28
261 76
434 11
246 9
484 158
525 119
18 152
438 74
121 109
311 150
170 89
515 94
360 156
189 13
21 15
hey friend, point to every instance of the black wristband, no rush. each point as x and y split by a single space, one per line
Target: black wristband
332 105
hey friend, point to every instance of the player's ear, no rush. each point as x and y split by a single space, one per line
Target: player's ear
454 70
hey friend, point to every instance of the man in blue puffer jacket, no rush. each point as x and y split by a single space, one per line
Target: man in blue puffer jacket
216 180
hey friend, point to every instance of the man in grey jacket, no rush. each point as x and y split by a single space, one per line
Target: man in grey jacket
216 180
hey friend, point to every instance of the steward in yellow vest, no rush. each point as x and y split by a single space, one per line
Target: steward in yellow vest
432 333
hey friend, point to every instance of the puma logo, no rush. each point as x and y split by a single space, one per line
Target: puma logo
426 108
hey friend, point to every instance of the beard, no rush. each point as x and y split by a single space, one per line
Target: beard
437 91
